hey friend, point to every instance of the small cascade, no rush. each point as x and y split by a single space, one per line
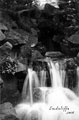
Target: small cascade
62 72
63 76
44 92
55 74
42 78
30 83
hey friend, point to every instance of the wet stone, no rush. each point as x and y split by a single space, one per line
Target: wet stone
7 112
37 95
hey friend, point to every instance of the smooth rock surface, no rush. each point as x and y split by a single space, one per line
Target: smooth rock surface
7 111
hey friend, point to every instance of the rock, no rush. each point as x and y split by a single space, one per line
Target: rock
3 56
36 55
41 48
6 46
78 55
14 37
1 85
2 36
37 95
3 27
54 54
7 112
32 39
50 9
1 81
21 67
74 38
34 32
5 50
7 109
77 59
26 51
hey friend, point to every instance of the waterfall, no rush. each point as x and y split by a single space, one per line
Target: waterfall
58 102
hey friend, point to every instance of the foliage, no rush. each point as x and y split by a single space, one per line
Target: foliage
9 66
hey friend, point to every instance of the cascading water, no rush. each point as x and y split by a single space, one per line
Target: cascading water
43 78
30 83
58 103
55 75
63 74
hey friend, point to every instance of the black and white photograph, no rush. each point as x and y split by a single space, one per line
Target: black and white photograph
39 59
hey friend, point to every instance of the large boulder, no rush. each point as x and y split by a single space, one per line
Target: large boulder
7 112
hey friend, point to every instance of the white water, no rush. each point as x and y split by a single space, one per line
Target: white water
55 75
43 78
41 3
59 103
31 82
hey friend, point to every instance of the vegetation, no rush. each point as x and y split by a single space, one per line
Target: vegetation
9 66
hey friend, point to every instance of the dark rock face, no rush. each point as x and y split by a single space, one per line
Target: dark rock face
20 80
71 74
7 112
